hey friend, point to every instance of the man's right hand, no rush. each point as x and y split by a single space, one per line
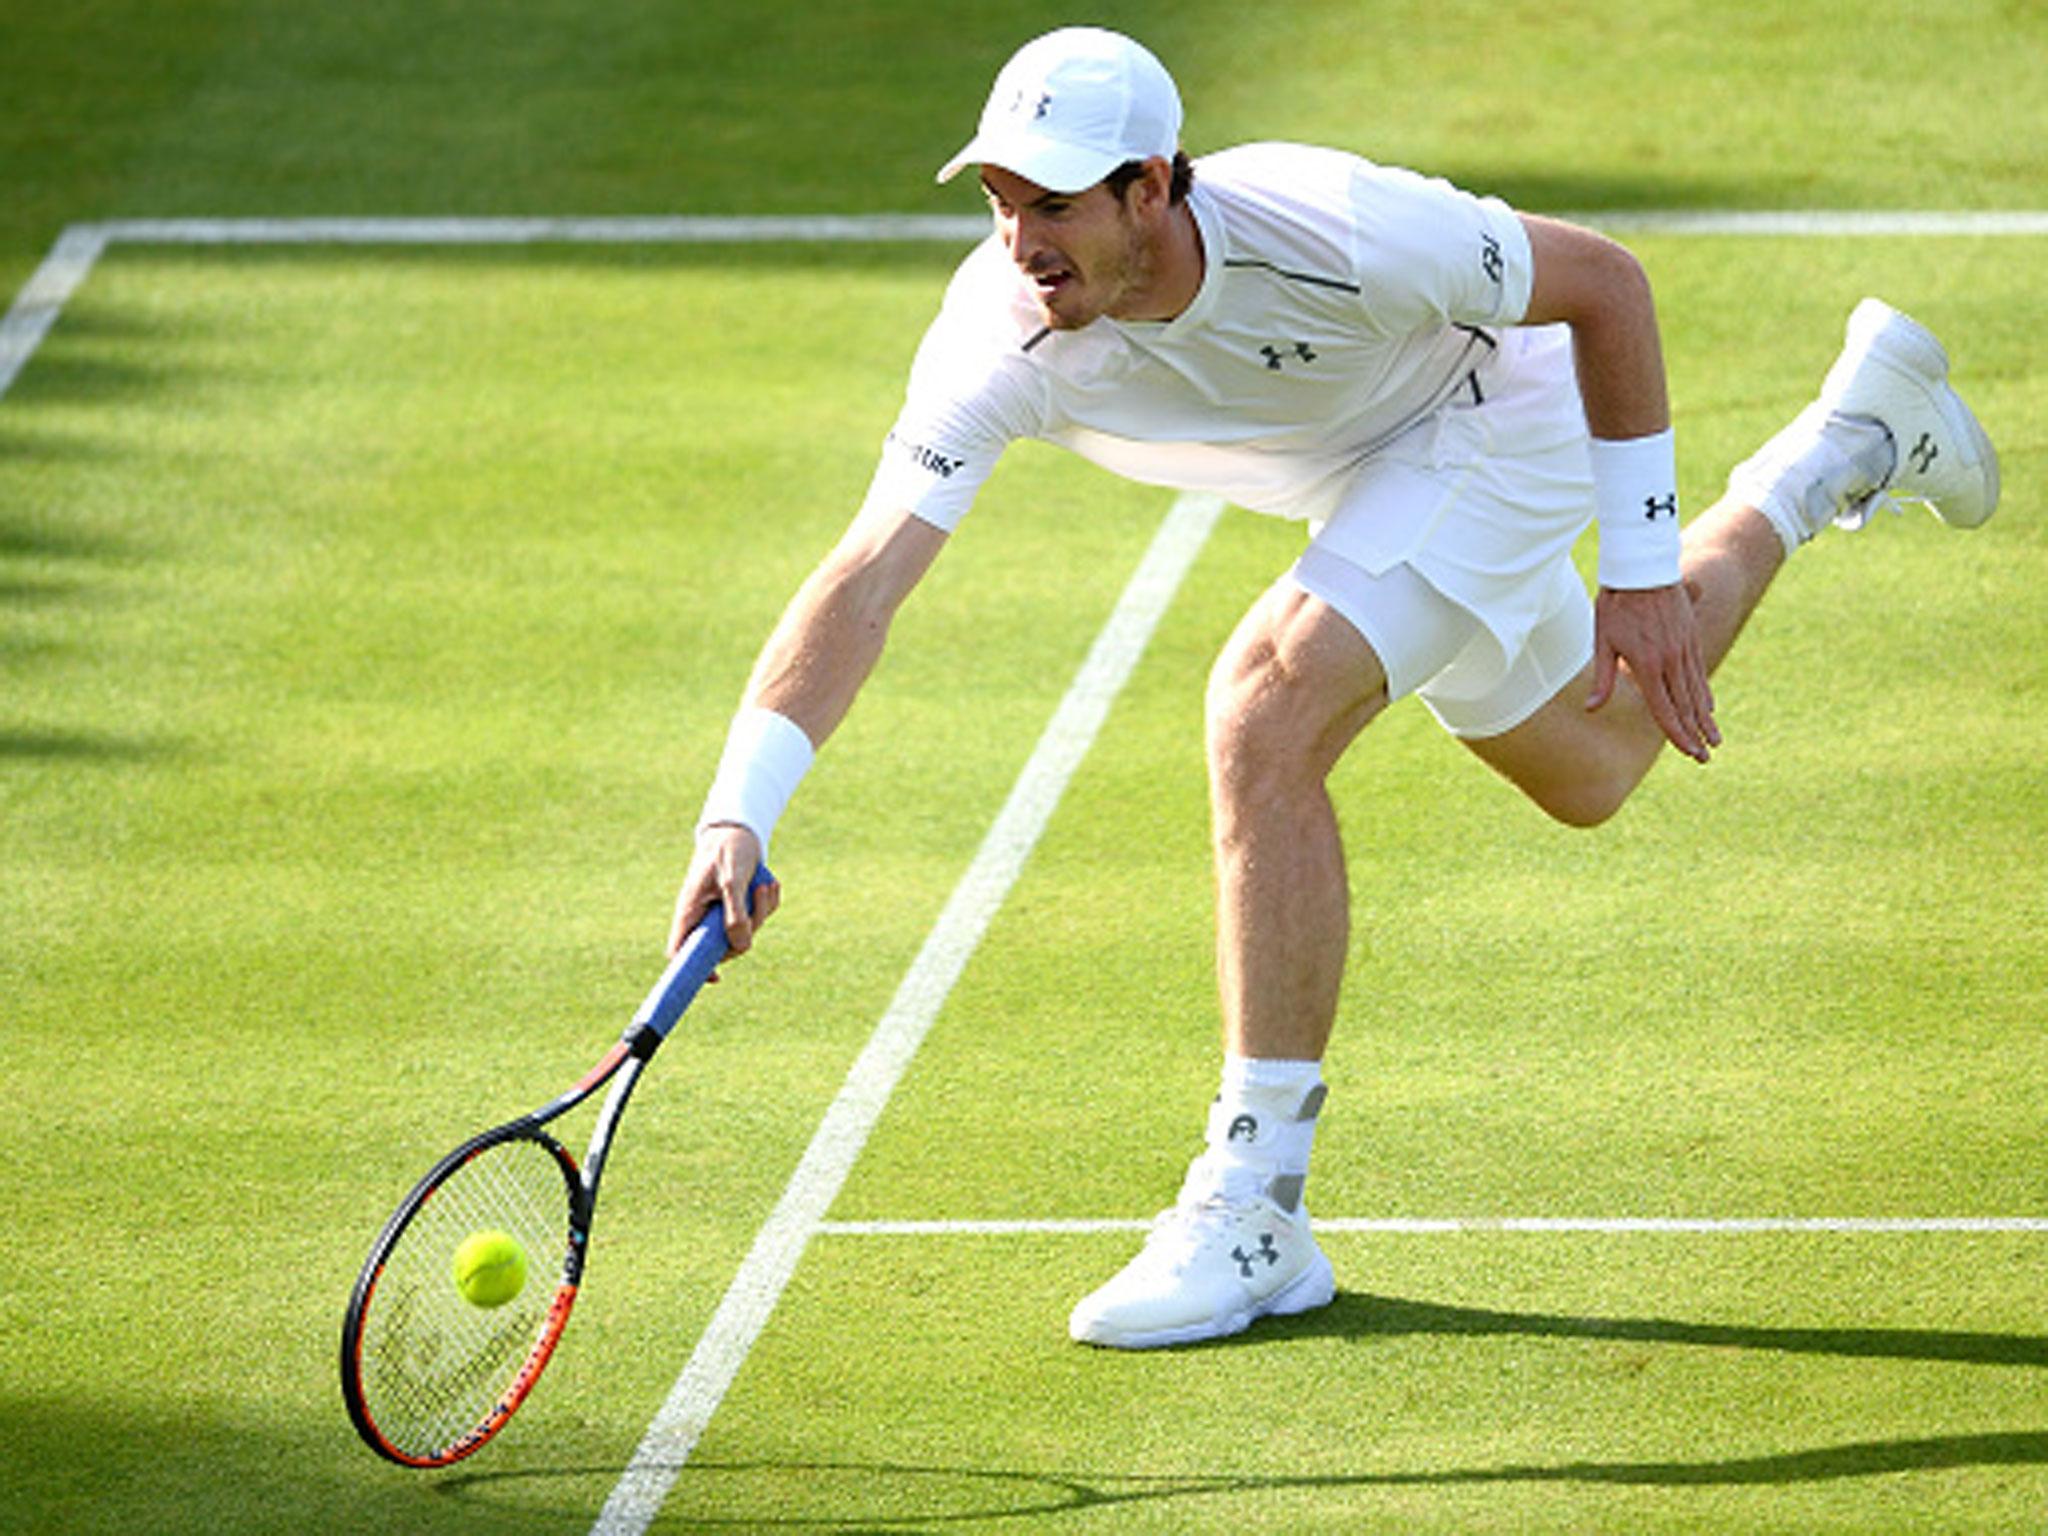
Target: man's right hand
720 870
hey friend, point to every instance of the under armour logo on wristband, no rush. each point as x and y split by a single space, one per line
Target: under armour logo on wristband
1243 1128
1655 507
1923 453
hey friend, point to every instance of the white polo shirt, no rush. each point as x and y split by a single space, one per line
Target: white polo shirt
1341 303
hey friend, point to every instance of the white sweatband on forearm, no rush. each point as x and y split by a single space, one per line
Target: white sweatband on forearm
766 756
1635 499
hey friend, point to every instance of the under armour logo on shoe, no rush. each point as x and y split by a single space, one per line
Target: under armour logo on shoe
1265 1251
1243 1128
1275 357
1655 507
1923 453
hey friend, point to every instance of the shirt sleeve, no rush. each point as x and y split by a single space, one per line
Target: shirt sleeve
1428 253
972 392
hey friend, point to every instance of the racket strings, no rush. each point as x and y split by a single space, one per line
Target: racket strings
434 1365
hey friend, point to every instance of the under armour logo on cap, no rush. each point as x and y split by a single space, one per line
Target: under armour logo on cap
1032 106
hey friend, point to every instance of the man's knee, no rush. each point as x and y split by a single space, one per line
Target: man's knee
1584 800
1290 691
1570 768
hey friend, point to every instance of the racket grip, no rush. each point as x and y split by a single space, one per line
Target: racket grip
686 974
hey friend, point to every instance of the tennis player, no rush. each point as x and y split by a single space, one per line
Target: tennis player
1446 392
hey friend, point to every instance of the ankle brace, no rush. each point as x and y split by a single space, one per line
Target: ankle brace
1816 472
1263 1123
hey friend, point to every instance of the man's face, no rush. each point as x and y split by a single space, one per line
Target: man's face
1087 254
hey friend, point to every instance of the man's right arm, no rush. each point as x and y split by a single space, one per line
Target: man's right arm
809 673
831 635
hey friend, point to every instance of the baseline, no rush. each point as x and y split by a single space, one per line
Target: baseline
79 246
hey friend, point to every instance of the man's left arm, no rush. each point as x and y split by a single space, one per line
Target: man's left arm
1643 616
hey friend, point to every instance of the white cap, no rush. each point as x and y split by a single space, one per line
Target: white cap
1072 106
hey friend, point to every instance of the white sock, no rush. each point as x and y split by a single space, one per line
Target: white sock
1262 1127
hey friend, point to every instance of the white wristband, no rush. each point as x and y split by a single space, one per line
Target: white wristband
766 756
1635 498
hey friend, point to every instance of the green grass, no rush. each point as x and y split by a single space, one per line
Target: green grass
368 625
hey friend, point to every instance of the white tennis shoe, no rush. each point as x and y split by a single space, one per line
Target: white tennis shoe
1829 466
1210 1266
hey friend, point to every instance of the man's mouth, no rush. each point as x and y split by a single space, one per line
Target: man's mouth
1051 281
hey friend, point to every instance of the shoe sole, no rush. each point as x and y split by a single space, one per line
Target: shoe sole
1315 1286
1908 346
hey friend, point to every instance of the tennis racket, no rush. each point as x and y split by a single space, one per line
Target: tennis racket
428 1374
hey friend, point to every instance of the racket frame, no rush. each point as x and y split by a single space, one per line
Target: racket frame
620 1066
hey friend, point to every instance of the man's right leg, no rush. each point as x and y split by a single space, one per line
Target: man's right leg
1296 684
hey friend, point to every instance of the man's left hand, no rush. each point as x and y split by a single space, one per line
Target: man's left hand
1655 633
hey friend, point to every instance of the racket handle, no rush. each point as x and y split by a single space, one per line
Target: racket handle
686 974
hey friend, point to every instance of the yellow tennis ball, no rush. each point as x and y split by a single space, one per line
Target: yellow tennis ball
490 1268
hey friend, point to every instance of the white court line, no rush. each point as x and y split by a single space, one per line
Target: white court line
1820 223
1435 1225
681 229
745 1310
43 297
724 229
78 248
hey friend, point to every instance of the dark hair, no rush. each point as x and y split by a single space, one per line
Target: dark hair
1119 180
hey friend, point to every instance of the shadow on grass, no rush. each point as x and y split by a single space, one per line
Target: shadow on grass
1361 1316
855 1495
872 1495
80 747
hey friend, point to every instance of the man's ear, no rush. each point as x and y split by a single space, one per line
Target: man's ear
1156 184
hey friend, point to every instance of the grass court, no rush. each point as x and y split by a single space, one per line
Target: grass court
370 616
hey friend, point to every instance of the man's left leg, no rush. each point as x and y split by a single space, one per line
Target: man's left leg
1886 423
1581 767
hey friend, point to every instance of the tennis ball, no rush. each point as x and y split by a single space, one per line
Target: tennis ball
490 1268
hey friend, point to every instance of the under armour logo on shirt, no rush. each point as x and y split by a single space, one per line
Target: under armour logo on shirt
1275 357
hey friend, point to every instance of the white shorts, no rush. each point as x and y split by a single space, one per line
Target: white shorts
1451 551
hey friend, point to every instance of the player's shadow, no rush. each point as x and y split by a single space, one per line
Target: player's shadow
1364 1316
862 1496
854 1496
